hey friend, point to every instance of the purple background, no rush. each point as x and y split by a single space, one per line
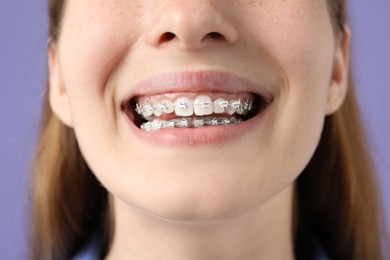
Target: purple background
23 26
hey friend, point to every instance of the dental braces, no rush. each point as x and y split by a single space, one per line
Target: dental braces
219 106
189 122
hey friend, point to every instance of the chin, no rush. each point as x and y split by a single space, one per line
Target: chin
195 201
184 211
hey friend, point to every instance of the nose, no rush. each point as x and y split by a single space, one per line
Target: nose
191 24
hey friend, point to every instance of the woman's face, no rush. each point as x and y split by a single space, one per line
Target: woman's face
111 51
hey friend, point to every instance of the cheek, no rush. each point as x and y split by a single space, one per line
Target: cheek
96 36
94 39
303 49
299 37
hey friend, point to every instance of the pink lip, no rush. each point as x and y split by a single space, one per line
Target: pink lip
203 81
200 81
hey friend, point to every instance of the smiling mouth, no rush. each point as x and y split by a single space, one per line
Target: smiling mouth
192 110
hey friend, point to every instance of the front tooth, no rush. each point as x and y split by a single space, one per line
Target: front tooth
184 107
184 122
198 122
203 105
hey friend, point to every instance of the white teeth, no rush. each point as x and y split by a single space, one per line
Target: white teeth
168 124
240 110
214 121
157 109
183 122
220 105
203 105
233 106
147 110
198 122
184 107
189 122
167 106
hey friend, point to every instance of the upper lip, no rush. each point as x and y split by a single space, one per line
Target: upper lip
199 81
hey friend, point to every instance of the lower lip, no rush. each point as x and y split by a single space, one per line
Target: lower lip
208 135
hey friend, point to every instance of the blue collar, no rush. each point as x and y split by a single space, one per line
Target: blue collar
90 251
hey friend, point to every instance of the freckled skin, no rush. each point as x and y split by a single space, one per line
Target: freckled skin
106 47
104 50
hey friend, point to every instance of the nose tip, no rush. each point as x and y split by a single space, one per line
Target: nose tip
192 26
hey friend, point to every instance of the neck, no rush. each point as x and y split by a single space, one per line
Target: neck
263 233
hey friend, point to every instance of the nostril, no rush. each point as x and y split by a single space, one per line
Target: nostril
216 36
166 37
